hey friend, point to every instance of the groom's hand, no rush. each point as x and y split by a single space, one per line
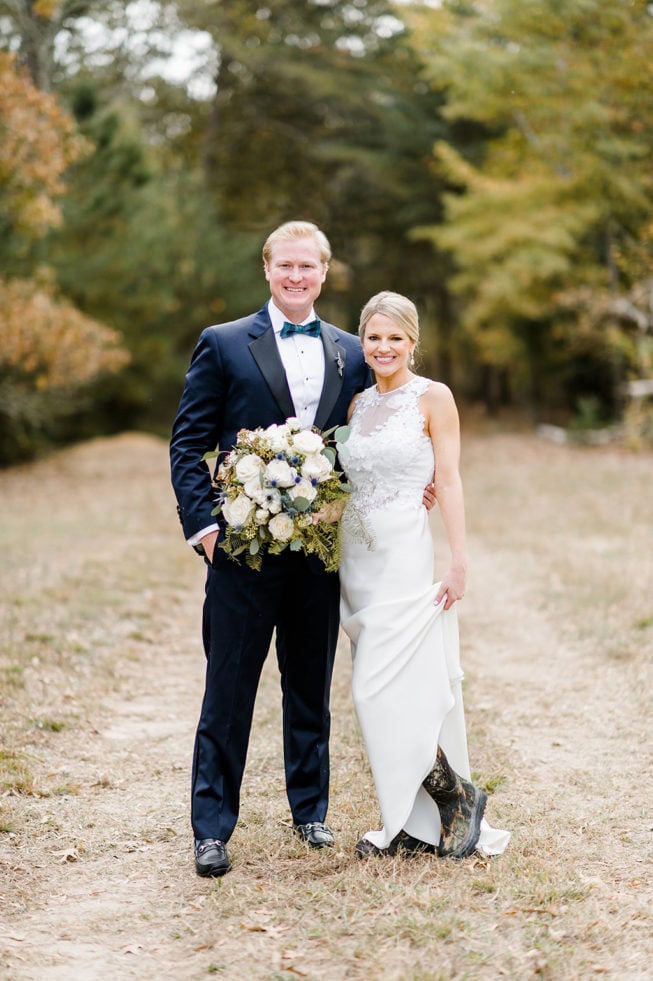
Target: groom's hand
208 544
330 513
428 499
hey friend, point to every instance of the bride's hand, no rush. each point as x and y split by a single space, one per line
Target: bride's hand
453 587
331 513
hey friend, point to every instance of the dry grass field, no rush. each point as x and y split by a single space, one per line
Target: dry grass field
100 683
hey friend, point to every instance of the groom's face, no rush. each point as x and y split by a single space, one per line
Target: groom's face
295 273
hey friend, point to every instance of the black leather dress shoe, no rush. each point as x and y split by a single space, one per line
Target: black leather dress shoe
211 857
317 835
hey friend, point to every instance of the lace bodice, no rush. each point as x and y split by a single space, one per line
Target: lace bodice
389 458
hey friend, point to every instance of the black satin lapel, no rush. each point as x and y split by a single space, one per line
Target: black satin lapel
334 369
266 354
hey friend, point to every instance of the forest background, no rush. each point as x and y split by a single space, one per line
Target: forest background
489 158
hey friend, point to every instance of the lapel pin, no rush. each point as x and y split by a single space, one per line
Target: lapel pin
340 363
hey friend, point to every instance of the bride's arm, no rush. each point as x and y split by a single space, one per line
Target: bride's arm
352 404
444 429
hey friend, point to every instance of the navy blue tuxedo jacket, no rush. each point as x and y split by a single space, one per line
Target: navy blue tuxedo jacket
236 380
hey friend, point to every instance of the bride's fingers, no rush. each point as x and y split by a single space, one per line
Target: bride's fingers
449 596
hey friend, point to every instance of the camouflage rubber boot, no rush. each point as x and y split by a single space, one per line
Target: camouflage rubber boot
461 807
401 844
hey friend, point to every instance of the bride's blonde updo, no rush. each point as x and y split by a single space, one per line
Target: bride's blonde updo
397 308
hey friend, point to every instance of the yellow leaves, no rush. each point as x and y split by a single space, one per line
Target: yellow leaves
46 8
39 212
48 344
38 142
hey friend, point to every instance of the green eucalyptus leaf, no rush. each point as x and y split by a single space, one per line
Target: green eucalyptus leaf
295 545
301 504
330 454
341 434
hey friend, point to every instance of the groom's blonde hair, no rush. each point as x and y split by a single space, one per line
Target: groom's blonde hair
397 308
292 230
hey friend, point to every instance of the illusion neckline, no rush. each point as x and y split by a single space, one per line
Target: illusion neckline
393 391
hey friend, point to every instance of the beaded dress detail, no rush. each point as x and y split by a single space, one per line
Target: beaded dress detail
406 675
389 456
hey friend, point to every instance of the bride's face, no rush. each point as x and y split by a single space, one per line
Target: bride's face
387 348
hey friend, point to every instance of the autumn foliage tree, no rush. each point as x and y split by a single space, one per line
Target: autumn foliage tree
49 350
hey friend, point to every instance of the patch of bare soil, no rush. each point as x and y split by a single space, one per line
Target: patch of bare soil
101 675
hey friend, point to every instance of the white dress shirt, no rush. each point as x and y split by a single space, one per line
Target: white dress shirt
302 357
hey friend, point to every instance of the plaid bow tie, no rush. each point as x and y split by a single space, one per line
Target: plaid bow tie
312 329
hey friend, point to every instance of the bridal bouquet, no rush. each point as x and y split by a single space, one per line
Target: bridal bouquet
271 485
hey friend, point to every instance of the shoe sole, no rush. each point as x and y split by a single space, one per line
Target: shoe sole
368 851
474 833
212 871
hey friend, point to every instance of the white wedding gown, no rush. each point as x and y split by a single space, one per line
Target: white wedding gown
406 667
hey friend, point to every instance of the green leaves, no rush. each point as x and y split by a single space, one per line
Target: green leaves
330 454
341 436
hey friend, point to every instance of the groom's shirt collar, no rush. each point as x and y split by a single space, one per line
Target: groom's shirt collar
278 318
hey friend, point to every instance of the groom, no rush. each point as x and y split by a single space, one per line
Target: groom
256 371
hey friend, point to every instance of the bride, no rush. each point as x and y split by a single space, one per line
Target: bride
402 626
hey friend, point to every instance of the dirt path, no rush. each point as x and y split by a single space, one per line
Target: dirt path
100 685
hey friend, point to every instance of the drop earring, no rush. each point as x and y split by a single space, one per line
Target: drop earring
411 361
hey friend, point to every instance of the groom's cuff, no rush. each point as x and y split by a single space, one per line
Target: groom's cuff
196 540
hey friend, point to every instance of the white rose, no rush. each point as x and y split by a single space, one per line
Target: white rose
281 527
261 516
272 500
276 437
237 512
248 466
316 467
293 424
303 489
255 490
280 474
307 441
